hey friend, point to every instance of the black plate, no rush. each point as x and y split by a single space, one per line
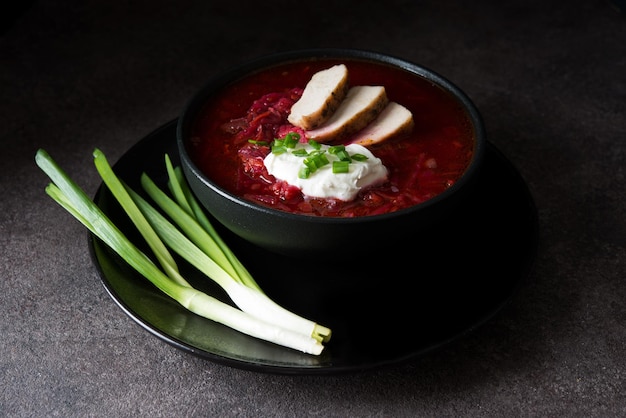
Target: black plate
439 287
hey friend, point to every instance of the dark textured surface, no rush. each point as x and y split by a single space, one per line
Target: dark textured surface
550 80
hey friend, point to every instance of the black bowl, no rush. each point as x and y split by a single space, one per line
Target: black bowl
306 236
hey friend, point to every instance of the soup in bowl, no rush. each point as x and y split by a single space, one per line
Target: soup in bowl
330 151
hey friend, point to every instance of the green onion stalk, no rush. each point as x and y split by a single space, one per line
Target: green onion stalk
196 241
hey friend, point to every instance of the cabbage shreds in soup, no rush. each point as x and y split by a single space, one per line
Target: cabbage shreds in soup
233 132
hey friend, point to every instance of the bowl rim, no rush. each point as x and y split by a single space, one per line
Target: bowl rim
251 66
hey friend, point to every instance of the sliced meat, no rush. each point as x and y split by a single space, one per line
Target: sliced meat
394 120
321 97
360 107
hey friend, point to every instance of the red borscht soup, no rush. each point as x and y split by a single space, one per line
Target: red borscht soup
421 164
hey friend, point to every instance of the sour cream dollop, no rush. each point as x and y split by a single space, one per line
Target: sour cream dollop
323 183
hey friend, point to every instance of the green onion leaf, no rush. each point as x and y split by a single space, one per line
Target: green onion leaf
202 219
262 317
119 191
334 149
314 144
343 155
291 139
310 164
359 157
341 166
278 149
321 160
304 172
300 152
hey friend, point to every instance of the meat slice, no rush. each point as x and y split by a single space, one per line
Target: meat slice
360 107
394 120
321 97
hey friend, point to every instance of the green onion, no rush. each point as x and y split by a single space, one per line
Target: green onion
278 148
211 248
291 139
187 224
201 218
334 149
304 172
343 155
341 166
316 158
309 164
248 299
315 161
359 157
300 152
321 160
314 144
264 318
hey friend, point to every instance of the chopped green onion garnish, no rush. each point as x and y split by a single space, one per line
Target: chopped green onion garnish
278 148
304 172
343 155
313 143
309 163
341 166
321 160
300 152
334 149
257 142
316 161
316 158
291 139
359 157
